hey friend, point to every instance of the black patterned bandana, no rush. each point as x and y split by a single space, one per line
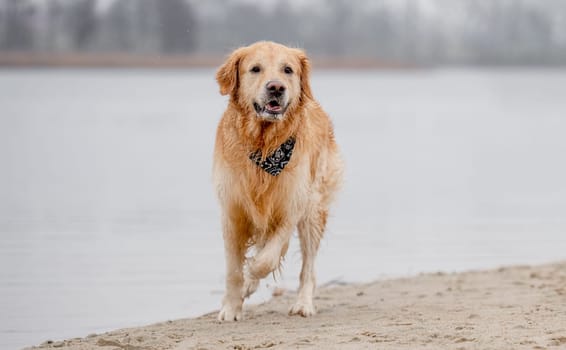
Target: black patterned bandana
276 161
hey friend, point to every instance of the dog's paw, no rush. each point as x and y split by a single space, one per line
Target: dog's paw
250 286
303 309
230 313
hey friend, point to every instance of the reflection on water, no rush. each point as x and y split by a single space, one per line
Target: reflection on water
108 218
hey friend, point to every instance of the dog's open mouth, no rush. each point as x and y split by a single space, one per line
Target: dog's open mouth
272 107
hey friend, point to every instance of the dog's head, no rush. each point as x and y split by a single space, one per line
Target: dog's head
266 79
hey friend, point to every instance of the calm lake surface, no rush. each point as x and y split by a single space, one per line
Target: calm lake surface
108 217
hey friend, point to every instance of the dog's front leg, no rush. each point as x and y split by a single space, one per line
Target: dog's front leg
268 258
235 250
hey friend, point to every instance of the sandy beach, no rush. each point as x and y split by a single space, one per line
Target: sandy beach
520 307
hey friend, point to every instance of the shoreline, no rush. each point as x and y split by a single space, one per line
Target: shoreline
126 60
121 60
519 307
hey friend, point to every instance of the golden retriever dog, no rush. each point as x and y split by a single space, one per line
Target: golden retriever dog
276 168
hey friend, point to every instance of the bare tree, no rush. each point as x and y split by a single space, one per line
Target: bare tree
18 27
177 26
82 22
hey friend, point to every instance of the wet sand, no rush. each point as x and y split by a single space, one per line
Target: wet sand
520 307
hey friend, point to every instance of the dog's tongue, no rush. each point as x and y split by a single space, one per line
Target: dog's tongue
273 106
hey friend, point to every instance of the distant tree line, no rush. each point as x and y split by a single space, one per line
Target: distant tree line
409 31
137 26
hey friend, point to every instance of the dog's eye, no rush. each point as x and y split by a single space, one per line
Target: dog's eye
288 70
255 69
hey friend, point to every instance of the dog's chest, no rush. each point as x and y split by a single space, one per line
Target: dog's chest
268 198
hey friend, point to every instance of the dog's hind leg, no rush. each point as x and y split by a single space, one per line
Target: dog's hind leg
311 229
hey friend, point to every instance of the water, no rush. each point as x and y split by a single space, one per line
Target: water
108 217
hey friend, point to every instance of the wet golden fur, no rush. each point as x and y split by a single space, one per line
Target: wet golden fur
259 209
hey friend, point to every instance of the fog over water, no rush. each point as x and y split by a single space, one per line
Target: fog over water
108 216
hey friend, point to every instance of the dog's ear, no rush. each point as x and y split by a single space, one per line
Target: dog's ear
305 75
227 75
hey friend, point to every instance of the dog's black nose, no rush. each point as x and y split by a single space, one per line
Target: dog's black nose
275 88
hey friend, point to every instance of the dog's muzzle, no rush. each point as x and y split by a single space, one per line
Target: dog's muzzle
274 102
